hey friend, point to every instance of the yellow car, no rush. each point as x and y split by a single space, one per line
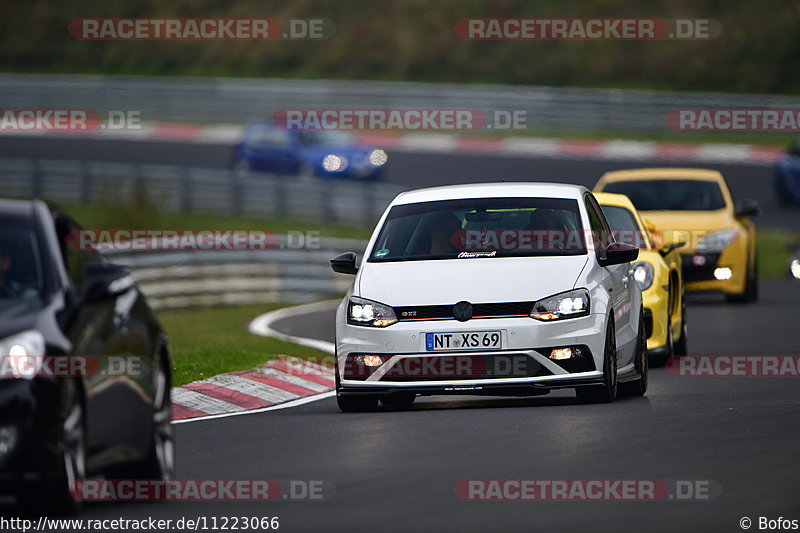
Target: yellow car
657 272
720 254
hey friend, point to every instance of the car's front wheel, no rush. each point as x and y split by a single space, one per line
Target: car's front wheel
60 494
160 460
750 293
638 386
354 404
399 400
682 346
357 404
606 392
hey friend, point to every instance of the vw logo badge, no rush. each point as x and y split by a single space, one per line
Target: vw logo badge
462 311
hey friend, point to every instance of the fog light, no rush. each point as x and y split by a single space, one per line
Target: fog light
8 439
561 353
723 273
373 360
794 268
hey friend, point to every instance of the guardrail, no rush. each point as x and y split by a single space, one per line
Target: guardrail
176 188
206 278
172 280
227 100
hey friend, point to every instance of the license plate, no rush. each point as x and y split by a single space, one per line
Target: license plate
468 340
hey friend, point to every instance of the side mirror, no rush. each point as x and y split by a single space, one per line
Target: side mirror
672 241
618 253
104 281
345 263
747 208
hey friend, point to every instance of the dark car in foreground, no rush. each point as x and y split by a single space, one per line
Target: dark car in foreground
85 374
327 154
787 176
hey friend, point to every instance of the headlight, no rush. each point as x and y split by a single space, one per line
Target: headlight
570 304
361 312
334 163
15 349
794 268
716 241
643 274
378 158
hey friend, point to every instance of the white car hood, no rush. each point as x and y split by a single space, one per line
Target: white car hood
477 280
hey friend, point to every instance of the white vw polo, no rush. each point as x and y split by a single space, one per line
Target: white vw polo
494 289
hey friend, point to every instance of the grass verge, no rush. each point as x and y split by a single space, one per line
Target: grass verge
207 342
775 247
134 217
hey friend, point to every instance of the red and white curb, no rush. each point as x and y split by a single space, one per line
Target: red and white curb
280 383
519 146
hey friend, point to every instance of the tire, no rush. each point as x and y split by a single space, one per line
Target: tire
354 404
638 387
57 495
607 392
399 400
357 404
682 346
160 460
750 293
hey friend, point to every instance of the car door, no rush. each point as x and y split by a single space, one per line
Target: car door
270 149
620 280
98 333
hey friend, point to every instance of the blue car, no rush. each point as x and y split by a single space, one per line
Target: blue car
327 154
787 176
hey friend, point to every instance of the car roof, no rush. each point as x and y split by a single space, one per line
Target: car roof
702 174
618 200
20 208
491 190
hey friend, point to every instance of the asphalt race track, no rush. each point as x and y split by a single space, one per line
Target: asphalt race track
414 170
397 471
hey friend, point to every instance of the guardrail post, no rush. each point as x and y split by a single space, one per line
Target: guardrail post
237 193
186 189
326 195
280 196
36 179
86 182
368 207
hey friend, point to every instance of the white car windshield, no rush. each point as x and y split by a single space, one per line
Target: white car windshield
480 227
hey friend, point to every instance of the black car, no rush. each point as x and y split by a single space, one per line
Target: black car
63 423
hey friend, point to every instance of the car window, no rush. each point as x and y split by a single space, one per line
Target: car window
480 227
601 232
21 274
264 136
325 138
75 260
624 226
670 194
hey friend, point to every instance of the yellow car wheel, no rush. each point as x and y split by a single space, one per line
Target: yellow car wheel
682 346
750 293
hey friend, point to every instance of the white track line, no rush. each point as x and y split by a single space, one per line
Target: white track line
262 325
293 403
